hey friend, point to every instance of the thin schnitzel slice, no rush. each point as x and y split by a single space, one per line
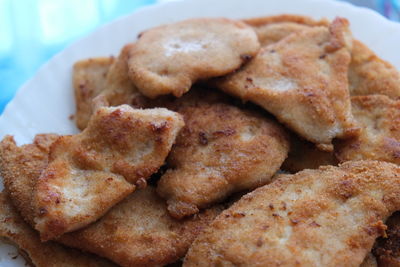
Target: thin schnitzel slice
272 29
119 89
325 217
221 150
89 80
136 232
48 254
302 80
90 172
379 118
168 59
21 166
369 74
387 248
139 232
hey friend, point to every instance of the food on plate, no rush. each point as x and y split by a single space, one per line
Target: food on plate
387 248
136 232
90 172
221 150
169 169
168 59
119 88
139 232
21 166
302 80
368 74
288 222
88 79
272 29
305 155
48 254
379 118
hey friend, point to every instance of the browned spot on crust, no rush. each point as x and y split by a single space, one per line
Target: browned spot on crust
203 138
239 214
159 128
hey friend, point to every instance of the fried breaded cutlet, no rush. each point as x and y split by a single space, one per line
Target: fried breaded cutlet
88 79
272 29
369 74
302 80
325 217
139 232
90 172
136 232
387 248
21 166
221 150
48 254
379 118
304 155
168 59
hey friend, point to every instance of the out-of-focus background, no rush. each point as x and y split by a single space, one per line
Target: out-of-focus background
32 31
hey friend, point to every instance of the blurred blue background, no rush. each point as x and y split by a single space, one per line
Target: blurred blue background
32 31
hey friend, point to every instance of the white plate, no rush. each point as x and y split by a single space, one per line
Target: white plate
45 102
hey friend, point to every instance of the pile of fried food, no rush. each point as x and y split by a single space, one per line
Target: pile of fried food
271 141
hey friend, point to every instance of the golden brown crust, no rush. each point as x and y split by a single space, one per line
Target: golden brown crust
369 74
48 254
139 232
90 172
21 166
379 118
302 80
221 150
288 222
305 155
136 232
387 248
272 29
88 79
168 59
119 88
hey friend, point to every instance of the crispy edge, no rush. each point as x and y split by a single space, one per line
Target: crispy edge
20 167
304 20
88 79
